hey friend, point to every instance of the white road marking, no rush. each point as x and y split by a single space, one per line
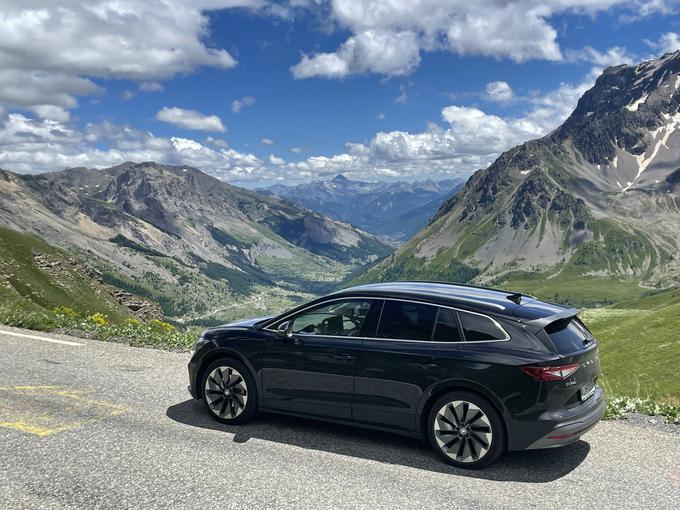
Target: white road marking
43 338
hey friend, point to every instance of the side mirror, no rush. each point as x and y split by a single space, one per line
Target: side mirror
285 330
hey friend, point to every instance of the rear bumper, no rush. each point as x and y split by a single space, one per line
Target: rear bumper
559 427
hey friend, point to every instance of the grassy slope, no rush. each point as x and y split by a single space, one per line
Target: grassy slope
575 290
640 345
25 287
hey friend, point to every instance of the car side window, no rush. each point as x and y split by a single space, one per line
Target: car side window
338 318
404 320
480 328
446 329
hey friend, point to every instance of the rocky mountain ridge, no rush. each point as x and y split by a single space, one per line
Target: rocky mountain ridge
156 226
394 210
596 198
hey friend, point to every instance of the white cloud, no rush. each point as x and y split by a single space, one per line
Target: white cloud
667 43
190 119
274 160
151 86
499 92
240 104
51 112
611 57
267 141
48 50
388 37
32 146
387 52
37 89
465 139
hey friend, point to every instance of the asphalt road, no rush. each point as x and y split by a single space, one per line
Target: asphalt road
102 425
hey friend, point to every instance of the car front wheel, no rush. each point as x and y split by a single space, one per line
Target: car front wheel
228 391
466 430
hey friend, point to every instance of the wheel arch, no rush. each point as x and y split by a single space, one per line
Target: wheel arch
458 385
221 353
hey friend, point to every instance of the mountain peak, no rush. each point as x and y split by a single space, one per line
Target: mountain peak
590 199
340 178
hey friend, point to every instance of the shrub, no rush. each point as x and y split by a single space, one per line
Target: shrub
154 333
98 319
160 326
66 312
619 407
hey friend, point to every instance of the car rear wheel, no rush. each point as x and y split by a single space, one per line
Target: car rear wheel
228 391
466 431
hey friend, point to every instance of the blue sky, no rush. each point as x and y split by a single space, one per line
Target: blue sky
409 85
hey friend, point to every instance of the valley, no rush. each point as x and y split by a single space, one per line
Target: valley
182 239
392 210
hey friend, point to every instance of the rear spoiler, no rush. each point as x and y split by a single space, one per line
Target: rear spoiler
539 324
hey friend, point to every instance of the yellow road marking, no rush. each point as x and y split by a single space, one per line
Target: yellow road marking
47 410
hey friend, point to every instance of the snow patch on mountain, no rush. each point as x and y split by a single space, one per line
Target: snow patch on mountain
635 104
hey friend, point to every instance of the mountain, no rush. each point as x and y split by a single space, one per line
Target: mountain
35 277
592 209
183 238
393 210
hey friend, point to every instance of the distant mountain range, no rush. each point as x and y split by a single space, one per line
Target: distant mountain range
180 237
592 209
393 210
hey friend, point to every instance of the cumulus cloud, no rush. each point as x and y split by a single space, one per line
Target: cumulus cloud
499 92
388 37
267 141
274 160
612 56
391 53
37 145
38 90
190 119
464 139
240 104
49 50
667 43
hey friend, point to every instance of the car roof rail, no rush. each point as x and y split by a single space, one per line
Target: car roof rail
513 296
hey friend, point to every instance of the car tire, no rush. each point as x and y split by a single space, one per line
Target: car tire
228 391
465 430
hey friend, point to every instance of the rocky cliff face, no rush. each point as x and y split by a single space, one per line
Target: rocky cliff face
596 197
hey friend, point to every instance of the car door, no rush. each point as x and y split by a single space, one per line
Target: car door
402 361
311 370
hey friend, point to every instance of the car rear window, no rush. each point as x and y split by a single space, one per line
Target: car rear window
568 335
404 320
480 328
446 329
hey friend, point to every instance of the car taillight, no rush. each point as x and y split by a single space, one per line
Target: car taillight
559 373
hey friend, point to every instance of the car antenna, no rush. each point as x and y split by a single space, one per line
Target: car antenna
515 297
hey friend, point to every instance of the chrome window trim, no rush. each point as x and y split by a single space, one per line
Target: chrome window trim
498 325
375 298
